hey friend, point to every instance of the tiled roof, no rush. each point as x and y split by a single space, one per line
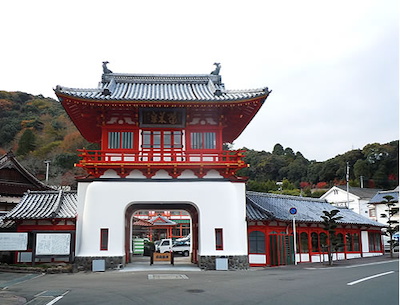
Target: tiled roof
363 193
15 179
379 197
141 222
274 206
45 205
156 87
161 221
6 224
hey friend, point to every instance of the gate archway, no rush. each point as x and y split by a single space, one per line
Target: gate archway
189 207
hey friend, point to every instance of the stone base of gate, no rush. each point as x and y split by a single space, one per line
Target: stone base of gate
84 263
235 262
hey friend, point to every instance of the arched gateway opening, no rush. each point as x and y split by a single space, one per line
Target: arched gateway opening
186 206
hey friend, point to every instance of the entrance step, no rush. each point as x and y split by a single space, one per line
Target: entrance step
142 263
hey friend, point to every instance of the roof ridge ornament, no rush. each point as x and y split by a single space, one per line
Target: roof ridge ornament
217 69
105 69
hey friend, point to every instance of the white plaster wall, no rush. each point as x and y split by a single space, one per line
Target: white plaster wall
102 204
364 242
257 259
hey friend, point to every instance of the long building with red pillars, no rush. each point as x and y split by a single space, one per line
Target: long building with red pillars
161 147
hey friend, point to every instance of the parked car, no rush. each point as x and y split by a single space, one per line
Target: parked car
182 248
386 244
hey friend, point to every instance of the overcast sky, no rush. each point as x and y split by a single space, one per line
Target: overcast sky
332 66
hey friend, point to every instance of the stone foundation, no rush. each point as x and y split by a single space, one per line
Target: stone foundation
235 262
84 263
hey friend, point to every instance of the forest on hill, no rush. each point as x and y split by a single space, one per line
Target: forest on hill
37 129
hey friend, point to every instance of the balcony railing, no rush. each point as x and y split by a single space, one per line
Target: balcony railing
100 160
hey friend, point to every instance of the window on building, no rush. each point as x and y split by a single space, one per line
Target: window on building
374 242
219 244
303 242
349 242
372 212
340 241
356 242
314 242
323 242
162 139
103 239
120 140
257 242
203 140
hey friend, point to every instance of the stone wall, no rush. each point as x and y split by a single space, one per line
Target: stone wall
236 262
84 263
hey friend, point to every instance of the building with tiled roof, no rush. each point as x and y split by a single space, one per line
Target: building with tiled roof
49 213
309 210
161 140
270 229
377 206
15 180
356 199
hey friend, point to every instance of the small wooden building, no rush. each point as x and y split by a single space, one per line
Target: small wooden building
15 180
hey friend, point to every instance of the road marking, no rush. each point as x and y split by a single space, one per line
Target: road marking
167 277
369 277
351 266
55 300
20 280
48 297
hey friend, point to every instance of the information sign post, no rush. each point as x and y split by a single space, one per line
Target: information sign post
293 212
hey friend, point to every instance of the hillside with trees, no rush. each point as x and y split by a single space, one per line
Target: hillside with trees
38 129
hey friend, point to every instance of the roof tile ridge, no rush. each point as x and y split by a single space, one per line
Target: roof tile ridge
283 196
57 205
257 206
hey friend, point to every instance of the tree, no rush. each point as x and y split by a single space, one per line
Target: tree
27 143
393 225
278 150
330 225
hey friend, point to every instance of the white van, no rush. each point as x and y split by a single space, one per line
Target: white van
165 245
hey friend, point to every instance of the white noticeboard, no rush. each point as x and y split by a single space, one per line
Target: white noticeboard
13 241
53 243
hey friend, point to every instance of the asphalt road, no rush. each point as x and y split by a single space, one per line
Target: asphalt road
374 281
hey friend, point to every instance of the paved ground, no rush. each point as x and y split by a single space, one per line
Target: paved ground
164 269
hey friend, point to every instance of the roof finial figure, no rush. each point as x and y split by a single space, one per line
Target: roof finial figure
105 69
217 68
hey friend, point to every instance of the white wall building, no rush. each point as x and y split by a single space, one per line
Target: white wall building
356 200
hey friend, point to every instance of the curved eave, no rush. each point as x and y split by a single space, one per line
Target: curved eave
217 102
240 111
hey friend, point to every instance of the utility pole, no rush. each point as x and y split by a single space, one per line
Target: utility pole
47 170
361 181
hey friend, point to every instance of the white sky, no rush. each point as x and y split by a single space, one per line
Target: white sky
332 65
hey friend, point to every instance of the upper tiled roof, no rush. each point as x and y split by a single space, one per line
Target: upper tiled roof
363 193
379 197
157 87
45 205
267 206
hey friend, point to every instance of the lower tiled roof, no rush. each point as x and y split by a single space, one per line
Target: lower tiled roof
45 205
267 206
380 196
6 224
